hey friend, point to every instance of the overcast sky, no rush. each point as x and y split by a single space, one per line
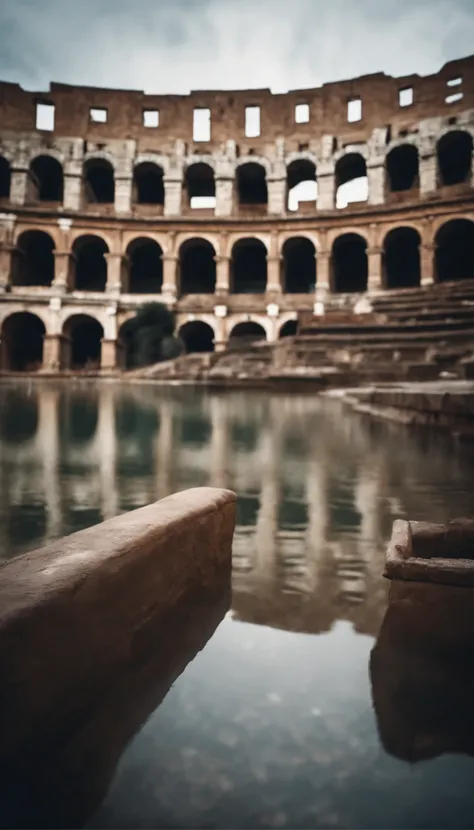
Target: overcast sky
177 45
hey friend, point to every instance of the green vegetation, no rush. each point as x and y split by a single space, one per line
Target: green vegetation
151 335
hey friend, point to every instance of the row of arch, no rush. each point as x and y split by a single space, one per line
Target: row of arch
33 262
46 178
22 335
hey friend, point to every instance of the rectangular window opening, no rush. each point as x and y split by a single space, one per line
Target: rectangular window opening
199 202
202 124
451 99
354 110
45 116
98 115
454 81
252 122
302 113
405 96
151 118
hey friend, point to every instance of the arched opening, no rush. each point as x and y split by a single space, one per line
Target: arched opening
79 417
5 178
46 180
245 333
402 168
85 335
249 267
288 329
99 184
455 251
197 267
200 186
251 184
148 187
91 265
351 180
145 266
197 337
34 259
349 264
454 152
22 342
401 258
299 266
301 184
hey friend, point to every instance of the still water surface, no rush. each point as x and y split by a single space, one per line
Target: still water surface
273 724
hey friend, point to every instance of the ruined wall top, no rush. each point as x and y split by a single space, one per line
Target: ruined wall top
445 93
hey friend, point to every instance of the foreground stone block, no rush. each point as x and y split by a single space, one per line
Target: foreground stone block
93 630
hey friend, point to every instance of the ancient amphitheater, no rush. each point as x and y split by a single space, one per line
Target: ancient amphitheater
344 213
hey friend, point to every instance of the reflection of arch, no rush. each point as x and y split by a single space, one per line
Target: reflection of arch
148 187
197 336
78 418
351 179
249 267
301 182
34 259
145 266
247 332
99 184
251 184
402 168
349 264
22 341
91 265
46 179
197 267
5 178
85 334
288 329
298 265
200 185
455 250
454 154
15 430
401 258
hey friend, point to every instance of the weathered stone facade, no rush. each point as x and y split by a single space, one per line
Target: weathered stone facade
99 211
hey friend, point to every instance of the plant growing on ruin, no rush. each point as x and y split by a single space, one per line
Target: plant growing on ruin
152 335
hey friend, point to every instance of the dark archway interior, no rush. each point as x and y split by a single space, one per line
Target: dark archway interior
91 265
5 178
402 258
13 429
86 335
128 342
301 170
47 180
244 333
148 186
23 335
455 251
249 267
197 267
289 329
146 267
99 184
454 158
197 337
34 260
349 167
299 266
252 184
199 181
402 168
349 264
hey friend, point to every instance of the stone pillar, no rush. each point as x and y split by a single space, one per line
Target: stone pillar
276 186
123 194
428 173
18 186
72 191
326 186
111 354
170 275
376 182
273 275
6 259
427 264
63 268
374 263
222 274
54 352
323 273
115 269
220 342
173 184
224 195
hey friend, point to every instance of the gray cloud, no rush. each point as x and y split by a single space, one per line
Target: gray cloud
177 45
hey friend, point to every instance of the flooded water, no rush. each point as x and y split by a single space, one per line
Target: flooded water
281 720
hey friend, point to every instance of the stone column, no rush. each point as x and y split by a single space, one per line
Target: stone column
115 269
123 194
428 173
220 342
326 186
111 354
72 190
173 184
170 275
222 274
323 274
374 263
19 185
376 181
427 264
224 195
276 186
6 259
273 266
